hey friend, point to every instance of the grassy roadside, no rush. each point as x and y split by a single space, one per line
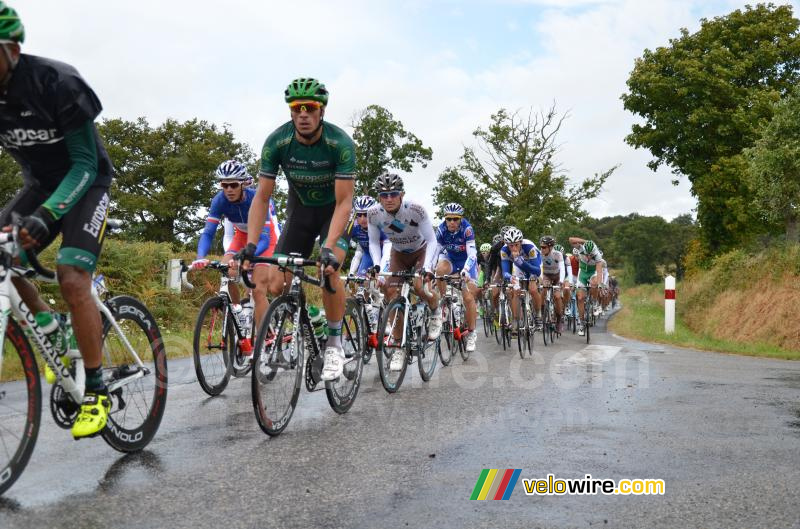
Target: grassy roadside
642 318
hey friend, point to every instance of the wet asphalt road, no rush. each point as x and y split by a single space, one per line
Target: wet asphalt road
722 431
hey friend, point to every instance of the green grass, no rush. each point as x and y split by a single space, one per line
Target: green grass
642 318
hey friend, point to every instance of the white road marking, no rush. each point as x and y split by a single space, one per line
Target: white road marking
592 354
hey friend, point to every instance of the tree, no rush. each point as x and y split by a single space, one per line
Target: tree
164 174
641 244
702 100
10 177
515 169
382 142
774 167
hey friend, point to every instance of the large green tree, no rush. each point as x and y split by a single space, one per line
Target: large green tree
702 99
164 174
382 143
453 186
514 168
774 168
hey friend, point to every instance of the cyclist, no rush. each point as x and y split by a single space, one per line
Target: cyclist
592 273
569 279
232 203
47 125
359 234
553 274
458 255
495 272
613 285
414 246
483 272
318 159
520 259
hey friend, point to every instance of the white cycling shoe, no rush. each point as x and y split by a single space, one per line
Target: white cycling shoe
472 337
434 326
334 363
397 360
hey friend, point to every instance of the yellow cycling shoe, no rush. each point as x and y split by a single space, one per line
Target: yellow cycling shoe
93 415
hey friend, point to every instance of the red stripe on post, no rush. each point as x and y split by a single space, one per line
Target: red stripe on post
669 294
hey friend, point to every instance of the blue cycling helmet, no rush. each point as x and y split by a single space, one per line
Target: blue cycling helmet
363 203
453 209
232 170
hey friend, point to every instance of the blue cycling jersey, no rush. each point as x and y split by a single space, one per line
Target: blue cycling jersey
529 259
456 244
361 236
236 212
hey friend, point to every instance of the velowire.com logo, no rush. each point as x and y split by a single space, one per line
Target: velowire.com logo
496 484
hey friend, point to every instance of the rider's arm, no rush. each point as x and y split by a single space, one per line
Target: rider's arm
82 149
532 266
264 239
432 247
374 242
472 255
227 237
387 251
341 213
212 221
258 208
356 261
505 263
561 271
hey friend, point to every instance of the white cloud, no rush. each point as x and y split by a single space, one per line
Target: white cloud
230 63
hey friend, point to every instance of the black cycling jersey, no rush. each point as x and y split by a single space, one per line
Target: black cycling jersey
44 100
494 257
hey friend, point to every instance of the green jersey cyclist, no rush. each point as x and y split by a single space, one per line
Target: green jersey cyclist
318 159
47 114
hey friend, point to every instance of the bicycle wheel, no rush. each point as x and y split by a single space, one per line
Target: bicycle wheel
487 318
462 342
368 348
521 326
20 402
504 324
545 321
342 392
529 329
587 306
426 349
446 339
213 344
138 393
390 328
278 358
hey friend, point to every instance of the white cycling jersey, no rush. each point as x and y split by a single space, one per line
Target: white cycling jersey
409 229
553 264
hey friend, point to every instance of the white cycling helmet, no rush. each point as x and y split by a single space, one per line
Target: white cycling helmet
363 203
232 170
512 235
453 209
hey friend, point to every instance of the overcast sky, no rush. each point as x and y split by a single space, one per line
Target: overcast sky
441 67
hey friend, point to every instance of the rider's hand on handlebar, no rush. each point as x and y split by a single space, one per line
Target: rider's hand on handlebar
246 254
35 228
199 264
330 264
373 270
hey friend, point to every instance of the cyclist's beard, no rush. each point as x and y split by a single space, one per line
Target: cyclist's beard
310 136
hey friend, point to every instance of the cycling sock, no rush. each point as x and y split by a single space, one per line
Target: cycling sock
94 380
335 333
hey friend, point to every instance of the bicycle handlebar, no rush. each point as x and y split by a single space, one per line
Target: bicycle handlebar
296 264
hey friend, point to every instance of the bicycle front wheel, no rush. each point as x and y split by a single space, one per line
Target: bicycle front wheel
446 339
137 387
20 404
426 349
342 392
213 344
277 366
391 329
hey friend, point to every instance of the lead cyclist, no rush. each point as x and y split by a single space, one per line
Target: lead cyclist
318 159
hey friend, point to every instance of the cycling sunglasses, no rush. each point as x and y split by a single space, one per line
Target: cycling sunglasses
452 219
389 194
229 185
304 106
361 214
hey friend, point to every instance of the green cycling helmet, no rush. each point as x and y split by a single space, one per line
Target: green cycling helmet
486 247
306 88
11 28
558 248
588 247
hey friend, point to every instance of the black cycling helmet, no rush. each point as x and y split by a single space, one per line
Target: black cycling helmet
388 182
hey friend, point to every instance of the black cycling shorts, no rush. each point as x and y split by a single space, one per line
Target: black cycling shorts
302 227
83 227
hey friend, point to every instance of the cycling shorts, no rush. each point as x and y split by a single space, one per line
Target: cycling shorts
302 227
239 241
457 266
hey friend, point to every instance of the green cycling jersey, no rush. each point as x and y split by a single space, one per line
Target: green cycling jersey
311 170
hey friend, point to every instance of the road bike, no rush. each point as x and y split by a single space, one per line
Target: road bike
368 302
134 368
454 330
286 352
403 329
549 316
221 336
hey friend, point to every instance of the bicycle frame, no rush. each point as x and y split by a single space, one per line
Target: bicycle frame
11 303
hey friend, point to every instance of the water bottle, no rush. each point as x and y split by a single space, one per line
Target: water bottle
317 318
52 329
246 317
457 313
372 316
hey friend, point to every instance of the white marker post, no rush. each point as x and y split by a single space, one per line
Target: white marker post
669 305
